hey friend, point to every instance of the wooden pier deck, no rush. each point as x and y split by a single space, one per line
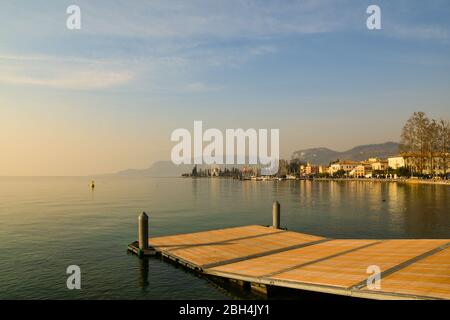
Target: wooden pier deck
410 269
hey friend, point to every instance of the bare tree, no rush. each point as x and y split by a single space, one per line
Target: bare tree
433 139
415 138
443 145
426 143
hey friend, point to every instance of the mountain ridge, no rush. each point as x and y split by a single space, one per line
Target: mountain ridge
316 156
324 156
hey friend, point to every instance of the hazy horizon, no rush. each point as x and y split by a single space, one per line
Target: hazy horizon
168 160
107 97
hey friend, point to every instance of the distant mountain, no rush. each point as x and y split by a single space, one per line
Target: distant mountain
359 153
168 169
159 169
313 155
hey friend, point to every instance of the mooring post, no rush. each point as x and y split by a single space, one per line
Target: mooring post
143 231
276 215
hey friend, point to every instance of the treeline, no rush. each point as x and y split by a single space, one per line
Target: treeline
425 144
207 172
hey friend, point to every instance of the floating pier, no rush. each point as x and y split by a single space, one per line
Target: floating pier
263 257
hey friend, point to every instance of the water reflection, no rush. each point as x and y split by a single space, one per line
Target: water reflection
143 274
42 215
353 209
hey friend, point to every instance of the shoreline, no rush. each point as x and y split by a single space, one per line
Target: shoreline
409 181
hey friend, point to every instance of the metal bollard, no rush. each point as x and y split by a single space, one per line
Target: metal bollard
143 231
276 215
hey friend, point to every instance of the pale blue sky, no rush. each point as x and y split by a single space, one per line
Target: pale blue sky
107 97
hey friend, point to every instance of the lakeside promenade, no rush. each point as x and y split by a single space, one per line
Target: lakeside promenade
399 180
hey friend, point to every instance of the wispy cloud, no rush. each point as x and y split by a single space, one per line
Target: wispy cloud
80 80
160 40
58 72
175 45
179 19
200 19
167 71
421 32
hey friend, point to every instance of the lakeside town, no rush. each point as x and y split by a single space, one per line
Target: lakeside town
394 168
423 156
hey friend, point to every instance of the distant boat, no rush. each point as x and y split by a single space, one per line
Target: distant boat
92 185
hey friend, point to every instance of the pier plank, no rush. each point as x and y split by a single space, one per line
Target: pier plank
411 269
349 269
428 277
179 241
284 261
221 246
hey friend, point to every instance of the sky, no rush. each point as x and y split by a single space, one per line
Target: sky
108 96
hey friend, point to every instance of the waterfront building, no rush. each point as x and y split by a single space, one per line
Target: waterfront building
396 162
361 171
436 163
323 169
380 165
302 169
311 169
346 165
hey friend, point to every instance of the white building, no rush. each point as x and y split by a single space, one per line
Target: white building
396 162
347 166
380 165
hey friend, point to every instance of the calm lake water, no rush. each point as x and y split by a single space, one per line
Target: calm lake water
47 224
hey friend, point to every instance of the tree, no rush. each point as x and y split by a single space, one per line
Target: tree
443 143
403 172
194 171
283 168
424 139
433 143
340 173
414 138
294 165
